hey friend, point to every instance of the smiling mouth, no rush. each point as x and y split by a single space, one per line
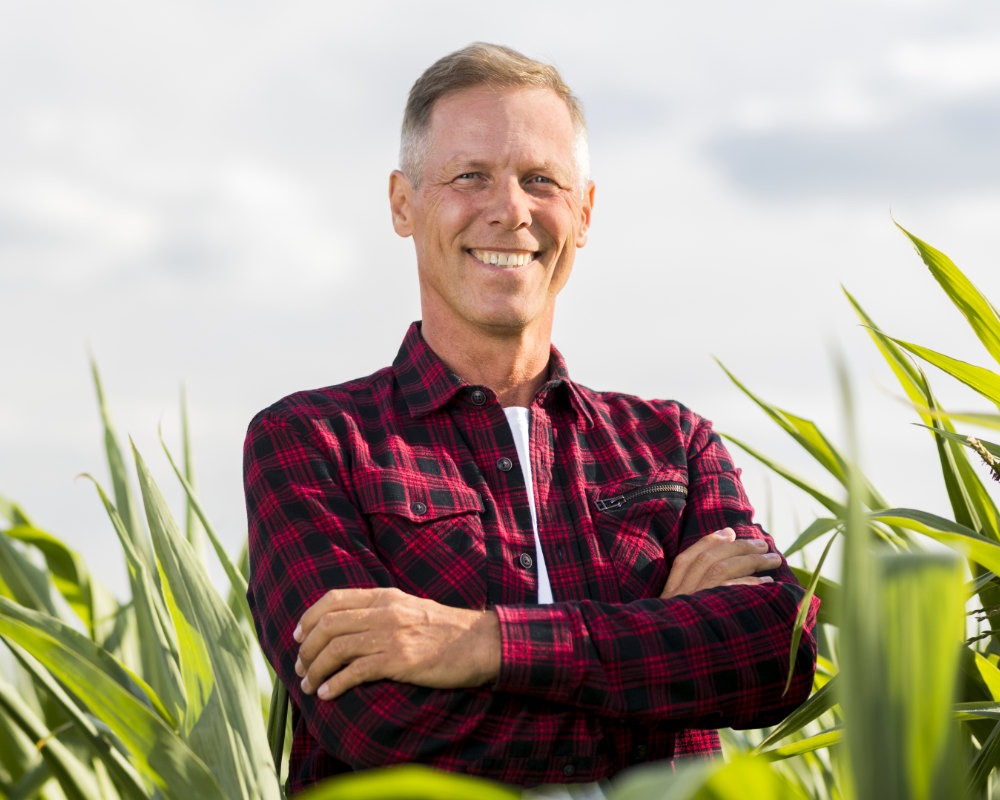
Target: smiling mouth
504 259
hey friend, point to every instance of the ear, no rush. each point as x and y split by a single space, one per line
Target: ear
586 206
400 203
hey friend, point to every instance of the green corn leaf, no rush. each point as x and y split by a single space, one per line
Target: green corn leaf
802 430
157 644
737 779
978 710
191 518
977 310
67 571
277 723
32 783
23 581
223 718
74 646
971 504
803 612
963 439
808 435
833 506
924 617
12 512
980 379
237 598
119 476
827 590
129 710
820 741
986 760
237 583
964 540
408 782
988 673
971 417
817 528
860 655
96 740
17 749
819 702
811 438
649 781
75 777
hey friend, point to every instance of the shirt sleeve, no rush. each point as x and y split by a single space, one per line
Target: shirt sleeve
306 537
715 658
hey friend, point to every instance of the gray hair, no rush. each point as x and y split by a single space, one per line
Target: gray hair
481 64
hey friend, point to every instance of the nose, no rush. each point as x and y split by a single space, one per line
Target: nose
510 206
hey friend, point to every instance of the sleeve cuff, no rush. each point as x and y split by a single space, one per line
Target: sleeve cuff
544 651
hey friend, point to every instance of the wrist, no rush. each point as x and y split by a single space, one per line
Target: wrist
486 646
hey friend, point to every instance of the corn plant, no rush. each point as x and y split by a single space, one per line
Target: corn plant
157 696
907 700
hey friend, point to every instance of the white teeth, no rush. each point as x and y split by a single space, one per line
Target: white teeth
502 259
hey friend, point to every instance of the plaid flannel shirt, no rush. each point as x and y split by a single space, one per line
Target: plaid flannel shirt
410 478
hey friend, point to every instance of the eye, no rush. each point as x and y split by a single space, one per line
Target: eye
468 176
540 179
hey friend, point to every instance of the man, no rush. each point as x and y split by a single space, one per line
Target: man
467 559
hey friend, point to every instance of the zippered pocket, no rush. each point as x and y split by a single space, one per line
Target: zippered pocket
624 500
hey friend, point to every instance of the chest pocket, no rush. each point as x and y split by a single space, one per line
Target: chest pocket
428 532
639 521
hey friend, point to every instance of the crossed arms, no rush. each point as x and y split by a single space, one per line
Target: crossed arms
577 690
354 636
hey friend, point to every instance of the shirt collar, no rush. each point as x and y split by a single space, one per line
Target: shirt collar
428 384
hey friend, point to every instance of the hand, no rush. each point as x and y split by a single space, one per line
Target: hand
720 559
351 636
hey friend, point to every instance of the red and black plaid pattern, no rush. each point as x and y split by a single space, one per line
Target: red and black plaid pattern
410 478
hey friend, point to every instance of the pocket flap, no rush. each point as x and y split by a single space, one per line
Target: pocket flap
414 495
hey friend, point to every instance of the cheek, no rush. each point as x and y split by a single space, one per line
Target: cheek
448 219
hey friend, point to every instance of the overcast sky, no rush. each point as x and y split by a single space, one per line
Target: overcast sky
196 192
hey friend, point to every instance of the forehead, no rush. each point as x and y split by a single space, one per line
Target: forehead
486 121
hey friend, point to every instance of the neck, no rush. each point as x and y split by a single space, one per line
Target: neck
514 365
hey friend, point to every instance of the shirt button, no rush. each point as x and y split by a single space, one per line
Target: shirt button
525 560
478 397
504 464
418 508
569 770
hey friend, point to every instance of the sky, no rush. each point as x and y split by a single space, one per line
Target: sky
195 193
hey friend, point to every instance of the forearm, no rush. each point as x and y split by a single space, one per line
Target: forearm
716 658
494 734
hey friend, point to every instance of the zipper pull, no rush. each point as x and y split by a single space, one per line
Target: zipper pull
610 503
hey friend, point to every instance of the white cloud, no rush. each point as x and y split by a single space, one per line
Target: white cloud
957 65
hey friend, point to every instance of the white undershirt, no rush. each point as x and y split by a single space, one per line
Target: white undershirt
519 420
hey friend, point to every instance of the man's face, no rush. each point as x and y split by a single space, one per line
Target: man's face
499 210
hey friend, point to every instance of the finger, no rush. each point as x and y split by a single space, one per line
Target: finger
750 580
332 626
740 567
363 670
333 600
337 656
687 559
719 572
691 566
713 567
